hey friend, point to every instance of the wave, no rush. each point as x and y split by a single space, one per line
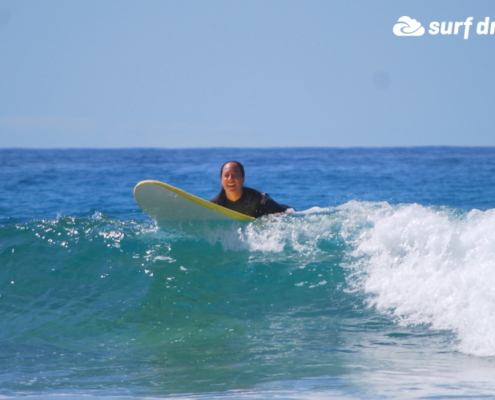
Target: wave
79 282
428 265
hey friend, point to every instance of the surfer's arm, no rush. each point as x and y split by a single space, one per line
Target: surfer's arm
270 206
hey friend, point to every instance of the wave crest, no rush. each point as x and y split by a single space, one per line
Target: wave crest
433 266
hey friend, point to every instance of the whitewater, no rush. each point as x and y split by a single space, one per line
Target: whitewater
380 285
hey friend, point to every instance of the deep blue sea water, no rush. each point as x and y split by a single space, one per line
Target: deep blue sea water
380 286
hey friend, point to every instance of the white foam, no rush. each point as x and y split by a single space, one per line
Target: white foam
428 266
421 265
295 231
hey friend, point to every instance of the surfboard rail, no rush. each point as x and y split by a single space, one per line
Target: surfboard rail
164 202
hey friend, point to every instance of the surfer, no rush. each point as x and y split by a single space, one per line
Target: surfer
235 196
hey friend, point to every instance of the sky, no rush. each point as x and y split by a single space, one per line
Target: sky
246 73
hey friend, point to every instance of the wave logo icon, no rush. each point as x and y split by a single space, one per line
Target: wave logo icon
407 26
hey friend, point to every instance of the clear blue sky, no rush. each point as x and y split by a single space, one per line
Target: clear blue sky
243 73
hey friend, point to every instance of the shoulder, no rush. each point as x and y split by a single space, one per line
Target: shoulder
219 198
252 192
262 197
215 199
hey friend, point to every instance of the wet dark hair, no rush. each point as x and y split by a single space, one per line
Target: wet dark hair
241 167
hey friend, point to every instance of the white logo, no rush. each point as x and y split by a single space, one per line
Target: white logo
408 27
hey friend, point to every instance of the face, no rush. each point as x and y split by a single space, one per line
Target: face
232 181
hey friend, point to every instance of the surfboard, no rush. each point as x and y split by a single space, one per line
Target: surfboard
164 202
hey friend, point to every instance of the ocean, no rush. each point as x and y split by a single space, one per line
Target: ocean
381 284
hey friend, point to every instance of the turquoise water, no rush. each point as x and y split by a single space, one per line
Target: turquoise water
379 286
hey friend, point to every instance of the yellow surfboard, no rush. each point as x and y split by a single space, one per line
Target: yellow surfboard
164 202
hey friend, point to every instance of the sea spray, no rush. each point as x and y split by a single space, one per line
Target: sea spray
432 266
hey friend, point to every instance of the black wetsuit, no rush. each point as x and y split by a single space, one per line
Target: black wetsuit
252 203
